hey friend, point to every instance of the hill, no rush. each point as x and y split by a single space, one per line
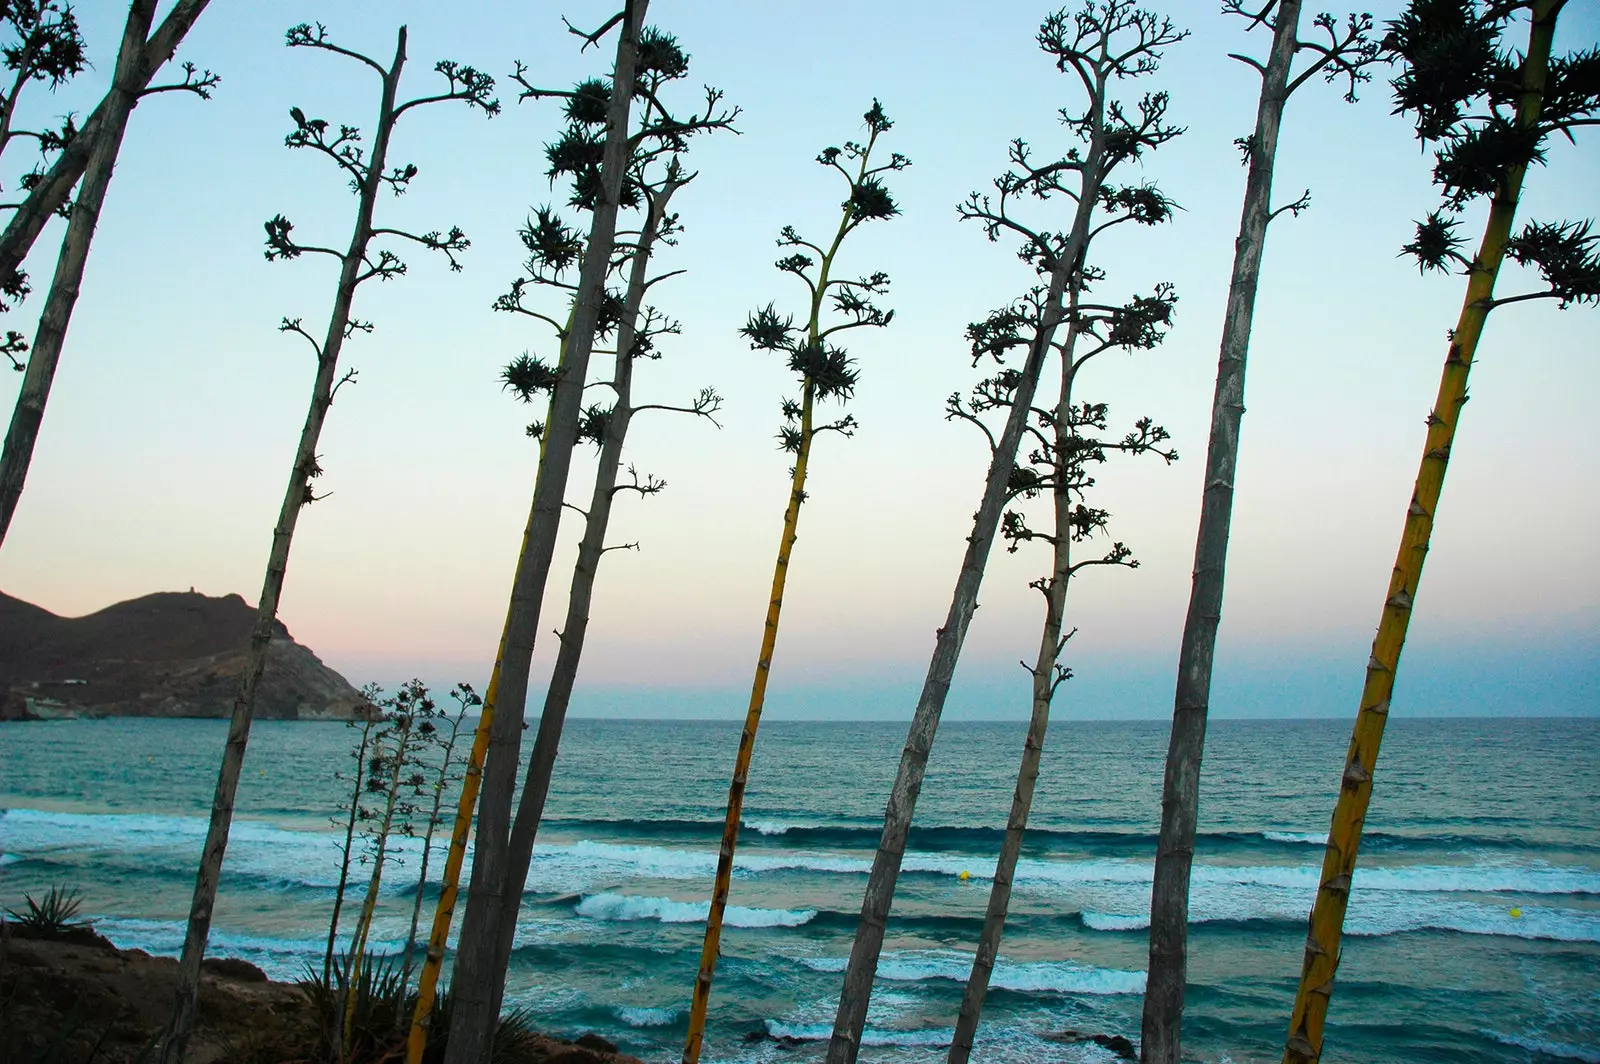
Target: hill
171 654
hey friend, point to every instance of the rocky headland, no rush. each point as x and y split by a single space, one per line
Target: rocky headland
171 654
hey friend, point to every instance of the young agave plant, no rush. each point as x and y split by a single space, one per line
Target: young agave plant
51 50
1488 111
393 780
357 779
1069 445
442 732
826 372
365 259
1107 42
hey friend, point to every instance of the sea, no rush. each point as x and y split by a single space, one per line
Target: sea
1473 931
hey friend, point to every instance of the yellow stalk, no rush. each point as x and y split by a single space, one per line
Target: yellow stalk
471 782
450 887
1304 1044
747 743
769 640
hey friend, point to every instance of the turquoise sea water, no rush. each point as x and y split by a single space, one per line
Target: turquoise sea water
1471 820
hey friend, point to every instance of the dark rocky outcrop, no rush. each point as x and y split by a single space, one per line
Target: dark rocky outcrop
1116 1043
77 997
171 654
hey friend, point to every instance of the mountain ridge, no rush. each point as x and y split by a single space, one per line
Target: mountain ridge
166 654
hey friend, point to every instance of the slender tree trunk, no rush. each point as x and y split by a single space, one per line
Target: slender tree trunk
369 904
472 1023
563 678
1304 1044
710 950
1044 688
1180 795
45 198
851 1017
28 414
427 854
455 856
344 860
295 496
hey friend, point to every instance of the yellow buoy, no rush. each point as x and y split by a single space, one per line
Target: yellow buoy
1516 914
964 876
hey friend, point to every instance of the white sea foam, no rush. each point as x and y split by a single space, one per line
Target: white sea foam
1307 837
303 858
768 827
1066 977
1373 914
280 858
643 1017
872 1036
1547 1048
1113 921
629 907
1110 892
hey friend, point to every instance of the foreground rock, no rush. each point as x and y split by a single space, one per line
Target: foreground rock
90 1000
172 654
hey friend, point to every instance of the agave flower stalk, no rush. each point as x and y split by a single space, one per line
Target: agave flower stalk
347 848
466 698
1105 42
130 81
365 259
597 150
47 47
492 761
826 372
1069 447
47 192
390 770
636 337
1490 112
1334 53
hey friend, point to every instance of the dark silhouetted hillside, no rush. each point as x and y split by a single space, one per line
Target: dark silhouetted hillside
171 654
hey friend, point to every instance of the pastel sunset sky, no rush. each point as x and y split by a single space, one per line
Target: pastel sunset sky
177 404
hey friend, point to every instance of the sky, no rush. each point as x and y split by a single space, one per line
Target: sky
177 405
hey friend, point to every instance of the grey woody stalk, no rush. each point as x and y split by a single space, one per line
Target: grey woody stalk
1058 257
50 194
1062 464
1161 1040
357 785
474 1000
128 83
1044 686
580 594
357 265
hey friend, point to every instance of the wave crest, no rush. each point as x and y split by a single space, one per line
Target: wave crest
631 907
